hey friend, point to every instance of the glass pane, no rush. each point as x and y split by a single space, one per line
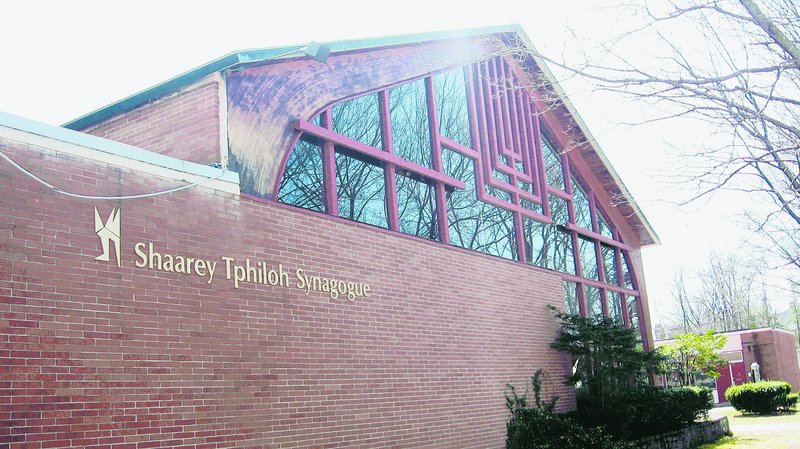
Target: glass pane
603 228
416 208
498 193
583 213
548 246
558 210
361 188
553 170
500 176
451 106
614 307
302 182
474 224
409 115
571 298
594 305
359 119
626 272
609 264
530 205
633 314
588 258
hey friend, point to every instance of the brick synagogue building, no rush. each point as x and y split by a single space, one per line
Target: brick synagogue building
340 246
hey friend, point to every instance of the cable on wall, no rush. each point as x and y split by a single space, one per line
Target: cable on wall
94 197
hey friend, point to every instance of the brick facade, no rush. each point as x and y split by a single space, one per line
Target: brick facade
775 351
184 125
98 356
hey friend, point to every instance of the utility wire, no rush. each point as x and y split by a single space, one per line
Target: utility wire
93 197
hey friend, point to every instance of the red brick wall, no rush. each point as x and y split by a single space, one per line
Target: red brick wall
785 347
184 125
775 353
98 356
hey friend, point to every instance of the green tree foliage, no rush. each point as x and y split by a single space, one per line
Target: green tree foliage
607 359
616 404
692 354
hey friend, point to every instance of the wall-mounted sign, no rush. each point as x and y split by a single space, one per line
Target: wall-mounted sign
235 270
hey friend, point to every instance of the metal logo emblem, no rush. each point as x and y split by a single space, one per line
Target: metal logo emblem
108 232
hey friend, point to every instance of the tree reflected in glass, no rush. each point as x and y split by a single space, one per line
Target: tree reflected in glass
416 207
451 106
302 182
359 119
474 224
360 188
408 109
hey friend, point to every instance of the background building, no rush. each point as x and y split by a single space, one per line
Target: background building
774 350
352 251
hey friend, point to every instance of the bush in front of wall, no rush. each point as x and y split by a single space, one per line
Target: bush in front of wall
761 397
645 411
790 402
537 426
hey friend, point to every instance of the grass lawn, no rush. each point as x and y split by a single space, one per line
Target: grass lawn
758 432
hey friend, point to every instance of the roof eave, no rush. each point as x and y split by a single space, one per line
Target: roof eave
254 56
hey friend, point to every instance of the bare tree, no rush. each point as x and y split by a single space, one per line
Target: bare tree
734 64
728 294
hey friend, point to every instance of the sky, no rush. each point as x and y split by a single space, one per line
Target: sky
61 60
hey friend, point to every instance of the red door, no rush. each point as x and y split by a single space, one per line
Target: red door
739 373
733 374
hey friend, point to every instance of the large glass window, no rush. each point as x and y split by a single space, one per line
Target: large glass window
626 273
603 228
411 138
594 302
361 189
451 106
553 169
416 207
548 246
583 212
633 314
609 259
302 182
614 306
474 224
571 298
485 220
359 119
588 258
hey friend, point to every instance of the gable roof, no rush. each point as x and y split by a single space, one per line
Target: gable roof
595 156
260 55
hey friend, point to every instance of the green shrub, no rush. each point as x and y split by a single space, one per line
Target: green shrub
536 429
789 403
761 397
645 411
539 427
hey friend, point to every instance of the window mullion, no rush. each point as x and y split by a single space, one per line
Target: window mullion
329 167
436 157
390 172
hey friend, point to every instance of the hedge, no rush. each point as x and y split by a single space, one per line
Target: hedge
761 397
